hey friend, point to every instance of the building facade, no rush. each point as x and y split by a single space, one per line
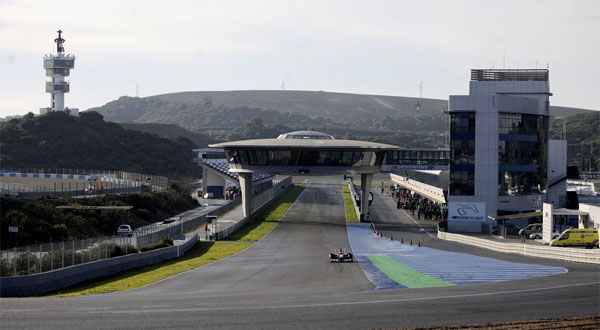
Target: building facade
501 160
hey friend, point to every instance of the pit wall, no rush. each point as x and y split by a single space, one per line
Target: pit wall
259 203
540 251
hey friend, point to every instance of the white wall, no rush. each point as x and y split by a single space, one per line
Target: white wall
557 168
593 215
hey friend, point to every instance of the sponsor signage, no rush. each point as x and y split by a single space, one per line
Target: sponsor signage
411 167
466 211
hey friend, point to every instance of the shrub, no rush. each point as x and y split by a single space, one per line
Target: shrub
165 241
121 250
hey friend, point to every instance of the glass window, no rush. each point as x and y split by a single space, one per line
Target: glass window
347 158
243 157
522 152
462 183
462 122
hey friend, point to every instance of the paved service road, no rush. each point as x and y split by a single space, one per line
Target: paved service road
286 282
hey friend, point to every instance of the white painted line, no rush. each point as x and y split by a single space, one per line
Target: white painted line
366 302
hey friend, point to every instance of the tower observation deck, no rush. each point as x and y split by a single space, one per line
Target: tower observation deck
58 67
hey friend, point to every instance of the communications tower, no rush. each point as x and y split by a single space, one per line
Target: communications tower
57 68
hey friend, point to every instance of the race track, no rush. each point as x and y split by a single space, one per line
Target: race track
286 282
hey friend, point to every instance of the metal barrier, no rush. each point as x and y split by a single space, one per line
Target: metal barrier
37 284
32 182
39 258
542 251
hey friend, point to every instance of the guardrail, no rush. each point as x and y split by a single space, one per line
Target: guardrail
29 182
38 284
552 252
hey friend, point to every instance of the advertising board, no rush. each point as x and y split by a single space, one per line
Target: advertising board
466 211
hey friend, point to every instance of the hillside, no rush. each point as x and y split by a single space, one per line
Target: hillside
170 131
57 140
378 118
279 107
583 138
39 220
222 114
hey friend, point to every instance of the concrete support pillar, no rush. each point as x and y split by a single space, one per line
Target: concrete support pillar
365 187
246 189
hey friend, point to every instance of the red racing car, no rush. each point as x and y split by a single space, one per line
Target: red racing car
340 255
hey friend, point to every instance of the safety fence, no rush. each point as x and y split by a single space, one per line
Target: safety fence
31 182
37 284
49 256
552 252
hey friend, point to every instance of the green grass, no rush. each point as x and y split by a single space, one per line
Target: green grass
405 275
201 254
268 218
349 204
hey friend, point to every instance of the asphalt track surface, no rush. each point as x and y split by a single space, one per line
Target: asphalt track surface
286 282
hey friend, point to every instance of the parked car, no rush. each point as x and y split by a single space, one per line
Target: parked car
538 234
125 230
511 229
530 229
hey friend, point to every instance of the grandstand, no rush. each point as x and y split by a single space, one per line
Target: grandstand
224 169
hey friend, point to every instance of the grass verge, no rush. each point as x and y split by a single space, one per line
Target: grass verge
349 204
268 218
201 254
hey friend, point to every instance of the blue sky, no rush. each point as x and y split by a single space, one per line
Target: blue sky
370 47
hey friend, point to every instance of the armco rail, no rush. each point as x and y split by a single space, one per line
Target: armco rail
37 284
552 252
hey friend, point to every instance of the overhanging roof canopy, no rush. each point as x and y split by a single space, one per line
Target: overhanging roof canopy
536 214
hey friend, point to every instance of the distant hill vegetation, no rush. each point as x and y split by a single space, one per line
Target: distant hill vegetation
583 139
170 131
57 140
234 115
222 115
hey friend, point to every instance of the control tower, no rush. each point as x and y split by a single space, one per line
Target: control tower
57 68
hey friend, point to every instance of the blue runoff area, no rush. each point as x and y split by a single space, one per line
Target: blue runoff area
452 267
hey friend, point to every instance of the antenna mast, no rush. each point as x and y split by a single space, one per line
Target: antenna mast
418 105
